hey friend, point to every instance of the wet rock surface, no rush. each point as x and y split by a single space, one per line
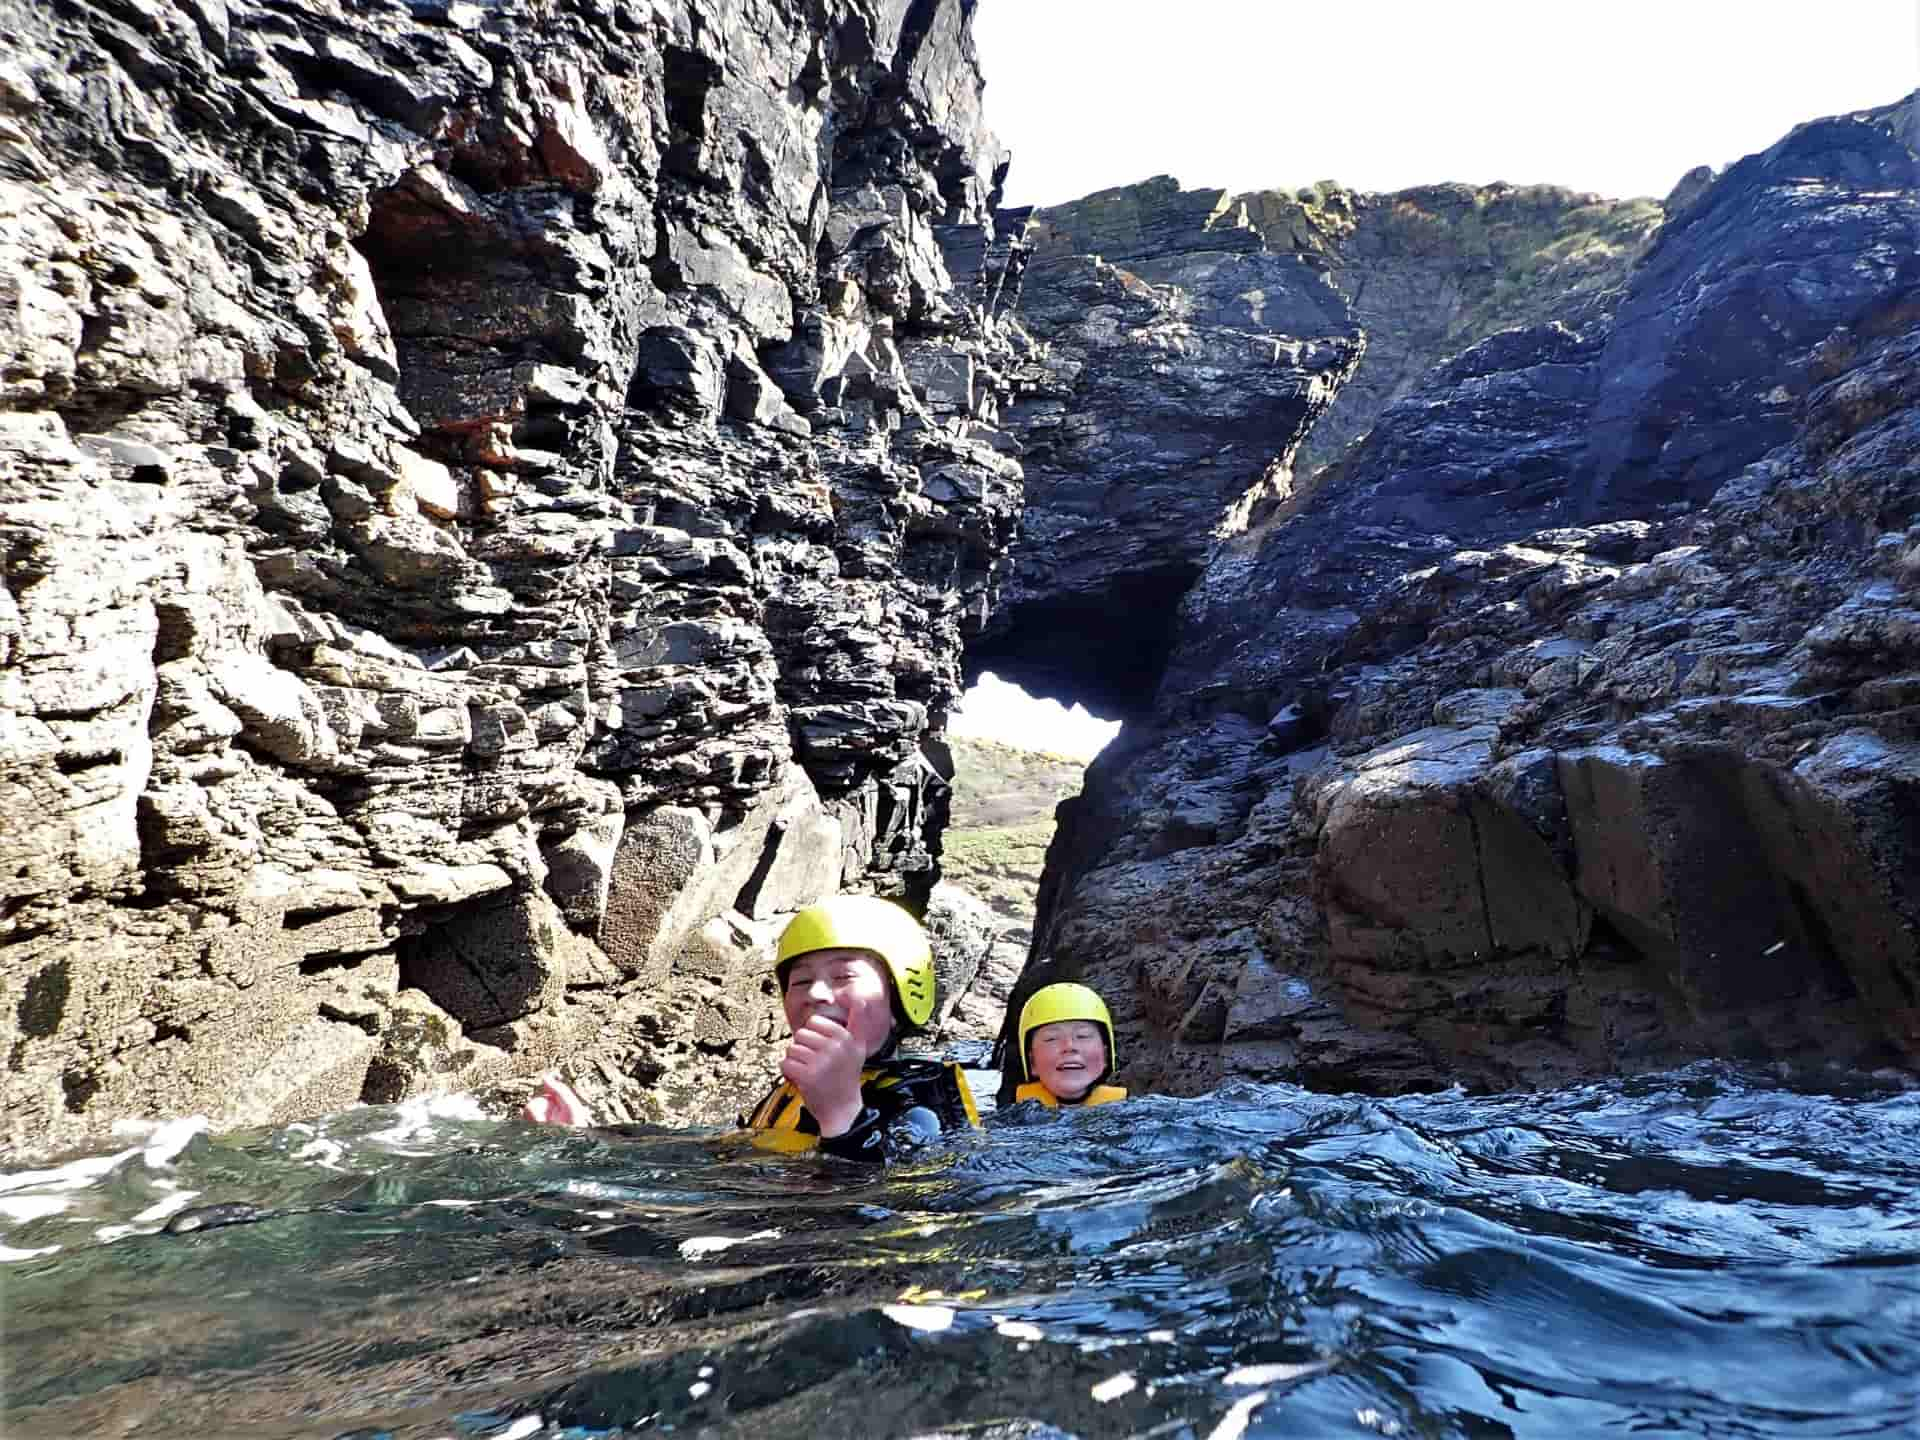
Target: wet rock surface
488 521
1567 726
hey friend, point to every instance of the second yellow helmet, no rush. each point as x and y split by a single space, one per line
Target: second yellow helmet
1064 1001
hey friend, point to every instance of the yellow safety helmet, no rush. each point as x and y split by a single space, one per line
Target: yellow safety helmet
1064 1001
865 922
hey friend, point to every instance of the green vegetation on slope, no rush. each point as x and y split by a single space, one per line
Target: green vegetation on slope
1002 820
997 785
1437 268
1002 866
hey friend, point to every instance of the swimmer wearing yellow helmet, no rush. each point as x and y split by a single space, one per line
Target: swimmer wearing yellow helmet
856 973
1066 1048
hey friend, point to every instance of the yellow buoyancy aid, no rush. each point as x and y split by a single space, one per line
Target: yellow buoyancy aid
783 1122
1098 1095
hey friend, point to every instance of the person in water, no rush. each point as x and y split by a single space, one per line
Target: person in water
1066 1048
856 974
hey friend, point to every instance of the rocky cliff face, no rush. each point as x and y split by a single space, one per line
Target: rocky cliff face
1204 355
496 501
1569 724
492 498
1423 274
1432 271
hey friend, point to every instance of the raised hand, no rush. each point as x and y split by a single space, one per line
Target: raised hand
555 1104
824 1063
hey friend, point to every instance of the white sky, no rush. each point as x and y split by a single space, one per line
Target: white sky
995 710
1621 97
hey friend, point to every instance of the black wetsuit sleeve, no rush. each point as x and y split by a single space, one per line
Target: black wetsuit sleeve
865 1139
904 1107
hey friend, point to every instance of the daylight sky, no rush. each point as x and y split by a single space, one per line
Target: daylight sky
995 710
1621 97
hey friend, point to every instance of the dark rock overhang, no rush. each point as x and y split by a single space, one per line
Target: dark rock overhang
1566 725
1156 417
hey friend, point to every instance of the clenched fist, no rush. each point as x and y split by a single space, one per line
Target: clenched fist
824 1063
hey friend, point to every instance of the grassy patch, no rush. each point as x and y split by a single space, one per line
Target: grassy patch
1002 820
997 785
1001 865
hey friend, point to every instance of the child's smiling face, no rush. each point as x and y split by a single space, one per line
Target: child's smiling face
1067 1056
849 987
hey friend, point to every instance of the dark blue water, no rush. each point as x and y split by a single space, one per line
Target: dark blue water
1706 1252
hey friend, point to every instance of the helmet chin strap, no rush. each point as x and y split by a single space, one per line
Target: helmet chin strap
902 1026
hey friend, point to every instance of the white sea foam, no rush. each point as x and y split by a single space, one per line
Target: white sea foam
325 1153
933 1318
22 1208
1275 1374
414 1119
165 1144
145 1223
74 1175
172 1205
701 1246
1114 1386
1234 1423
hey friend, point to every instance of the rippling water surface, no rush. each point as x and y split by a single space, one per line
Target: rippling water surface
1697 1253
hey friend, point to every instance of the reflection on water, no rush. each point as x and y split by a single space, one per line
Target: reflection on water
1697 1253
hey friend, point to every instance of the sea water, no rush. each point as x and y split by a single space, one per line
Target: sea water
1706 1252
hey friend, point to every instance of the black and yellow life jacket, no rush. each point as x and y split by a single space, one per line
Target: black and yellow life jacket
888 1091
1098 1095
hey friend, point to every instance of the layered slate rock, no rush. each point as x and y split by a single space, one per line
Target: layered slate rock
1712 349
1160 420
1423 273
1520 750
488 520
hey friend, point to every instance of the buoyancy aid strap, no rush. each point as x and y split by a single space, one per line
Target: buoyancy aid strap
966 1095
1034 1090
782 1108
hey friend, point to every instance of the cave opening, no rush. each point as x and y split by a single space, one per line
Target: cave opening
1055 680
1104 650
999 711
